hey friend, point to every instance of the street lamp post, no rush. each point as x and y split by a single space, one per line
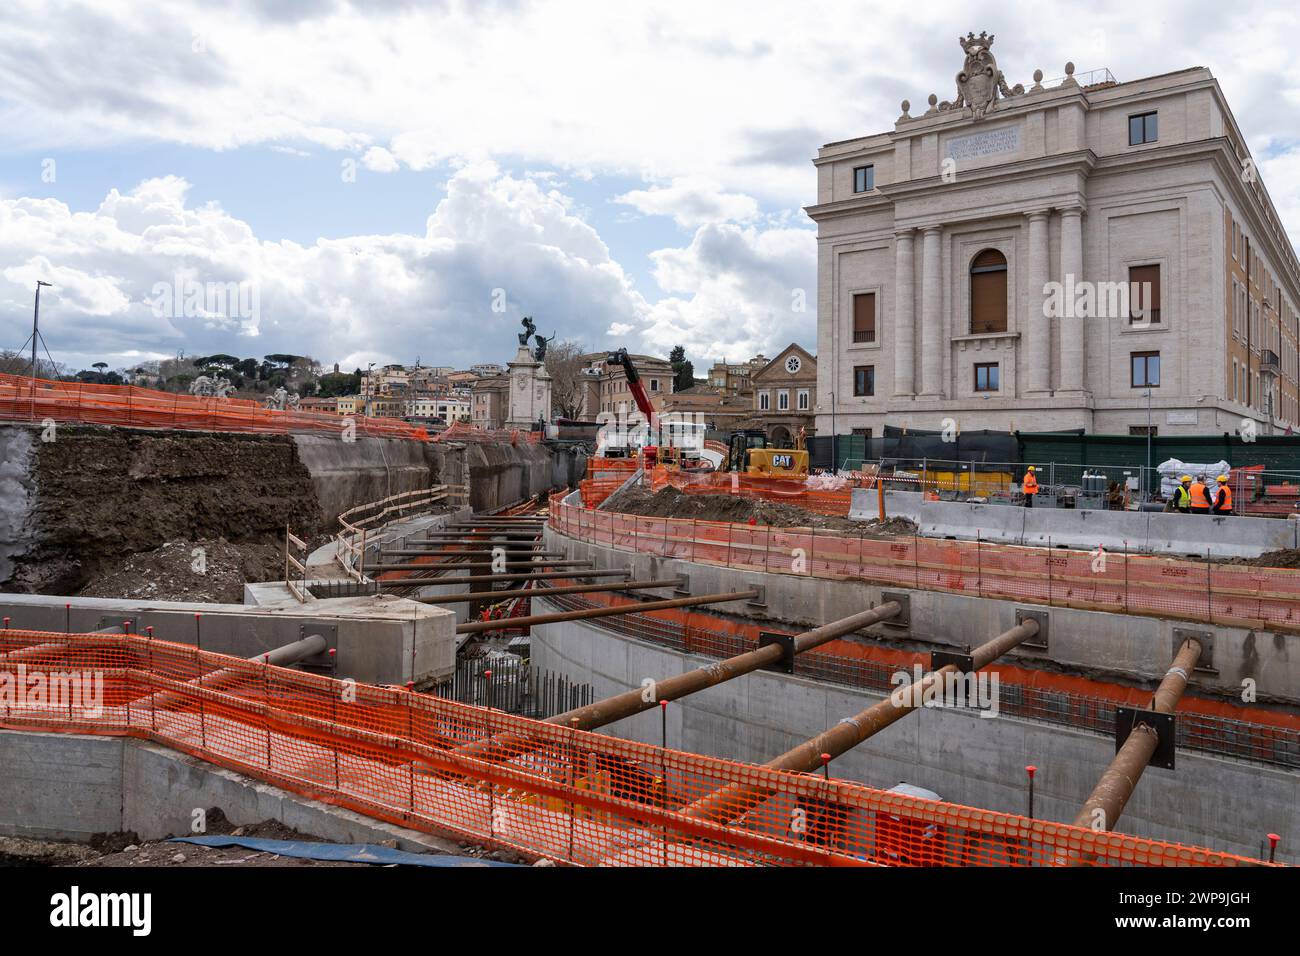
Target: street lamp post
36 323
1146 481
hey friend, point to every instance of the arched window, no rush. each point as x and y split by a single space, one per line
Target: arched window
988 292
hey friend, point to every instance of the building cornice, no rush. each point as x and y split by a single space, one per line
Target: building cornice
885 197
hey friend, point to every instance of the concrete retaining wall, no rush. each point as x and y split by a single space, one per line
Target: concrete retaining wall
1139 531
380 639
1115 647
73 787
1217 803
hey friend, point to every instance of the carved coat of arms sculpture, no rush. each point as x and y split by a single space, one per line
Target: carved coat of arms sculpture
980 81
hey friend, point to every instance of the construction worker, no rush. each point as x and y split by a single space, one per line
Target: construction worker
1200 496
1223 497
1183 495
1029 486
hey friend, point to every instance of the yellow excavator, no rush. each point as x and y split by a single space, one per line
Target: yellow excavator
749 454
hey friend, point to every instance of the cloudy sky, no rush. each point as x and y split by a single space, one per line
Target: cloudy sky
386 180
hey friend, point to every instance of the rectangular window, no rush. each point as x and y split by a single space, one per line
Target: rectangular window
1145 369
1142 128
864 381
864 317
986 377
864 179
1144 294
654 384
764 401
782 401
803 399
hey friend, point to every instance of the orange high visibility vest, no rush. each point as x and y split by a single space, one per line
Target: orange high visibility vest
1199 497
1030 484
1226 497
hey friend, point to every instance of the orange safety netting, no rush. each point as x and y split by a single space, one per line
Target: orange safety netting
1236 595
28 400
570 795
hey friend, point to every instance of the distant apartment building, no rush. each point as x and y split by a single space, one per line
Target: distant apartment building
348 405
448 409
713 406
487 369
329 405
489 401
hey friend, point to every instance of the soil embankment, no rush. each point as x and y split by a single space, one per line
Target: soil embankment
671 503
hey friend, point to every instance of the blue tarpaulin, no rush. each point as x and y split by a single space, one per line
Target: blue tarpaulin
339 852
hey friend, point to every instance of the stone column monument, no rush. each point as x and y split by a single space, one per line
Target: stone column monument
530 383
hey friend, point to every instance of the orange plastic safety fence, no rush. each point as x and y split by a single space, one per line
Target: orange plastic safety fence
25 399
1235 595
560 793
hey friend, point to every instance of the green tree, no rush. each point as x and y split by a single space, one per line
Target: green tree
683 369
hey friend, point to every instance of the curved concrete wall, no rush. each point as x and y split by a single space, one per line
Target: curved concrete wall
1152 532
1217 803
1117 647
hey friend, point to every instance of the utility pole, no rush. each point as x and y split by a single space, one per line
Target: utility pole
36 324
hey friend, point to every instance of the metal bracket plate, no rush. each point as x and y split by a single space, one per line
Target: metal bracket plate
1205 663
786 642
1039 641
328 631
904 616
1165 725
112 620
965 662
683 585
759 599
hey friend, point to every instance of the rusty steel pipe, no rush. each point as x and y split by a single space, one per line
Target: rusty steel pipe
468 550
476 627
505 576
1107 801
620 706
738 799
459 565
545 592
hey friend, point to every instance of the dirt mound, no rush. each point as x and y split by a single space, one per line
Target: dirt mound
671 503
1285 558
208 570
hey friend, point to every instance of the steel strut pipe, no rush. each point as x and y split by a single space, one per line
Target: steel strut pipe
505 576
1120 779
36 651
460 552
476 627
620 706
631 702
282 656
459 565
545 592
288 654
738 799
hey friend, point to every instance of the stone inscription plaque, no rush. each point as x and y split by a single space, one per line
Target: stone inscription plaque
992 142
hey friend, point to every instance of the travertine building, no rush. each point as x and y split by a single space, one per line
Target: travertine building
1055 257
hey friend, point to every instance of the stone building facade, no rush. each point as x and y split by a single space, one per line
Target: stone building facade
1078 254
785 396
